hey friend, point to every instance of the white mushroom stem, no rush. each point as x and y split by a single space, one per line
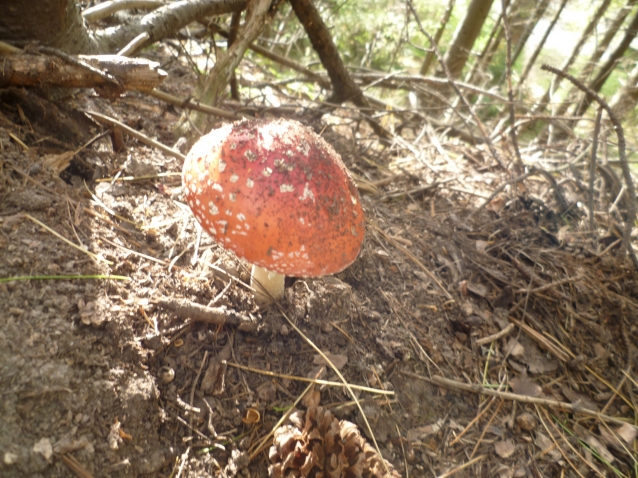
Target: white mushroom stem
268 285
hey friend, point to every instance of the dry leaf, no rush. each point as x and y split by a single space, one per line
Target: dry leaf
543 442
536 361
481 245
524 386
477 288
496 204
600 449
311 399
514 348
504 448
420 433
267 391
338 360
627 432
58 162
526 421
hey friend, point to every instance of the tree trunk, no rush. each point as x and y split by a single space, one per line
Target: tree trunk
465 36
606 69
626 99
532 59
59 24
601 48
541 105
55 23
429 58
523 22
527 26
343 86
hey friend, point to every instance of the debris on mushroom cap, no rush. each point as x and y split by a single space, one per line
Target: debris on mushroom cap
278 195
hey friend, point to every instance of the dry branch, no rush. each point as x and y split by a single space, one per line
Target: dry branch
164 22
45 71
106 9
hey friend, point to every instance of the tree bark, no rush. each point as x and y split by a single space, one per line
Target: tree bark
606 69
465 36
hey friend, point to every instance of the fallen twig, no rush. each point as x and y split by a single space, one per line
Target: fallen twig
185 309
479 389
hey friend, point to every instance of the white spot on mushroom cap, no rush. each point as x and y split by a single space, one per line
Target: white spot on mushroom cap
284 166
222 166
286 188
224 225
232 197
234 178
267 171
303 147
307 193
250 156
213 210
354 200
241 217
218 187
250 183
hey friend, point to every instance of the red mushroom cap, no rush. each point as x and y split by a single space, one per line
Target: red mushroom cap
278 195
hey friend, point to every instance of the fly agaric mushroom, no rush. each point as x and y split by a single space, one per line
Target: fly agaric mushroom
279 196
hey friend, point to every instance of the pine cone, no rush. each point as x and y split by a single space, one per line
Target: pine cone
317 445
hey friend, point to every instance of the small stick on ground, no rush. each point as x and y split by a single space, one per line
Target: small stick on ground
185 309
454 385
